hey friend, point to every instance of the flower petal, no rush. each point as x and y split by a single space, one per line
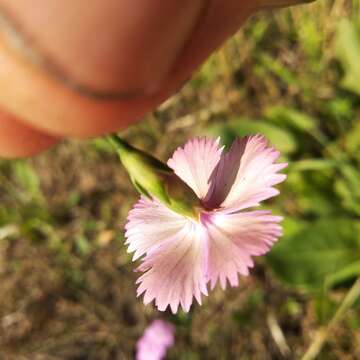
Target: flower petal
175 270
234 239
195 162
149 224
245 175
158 337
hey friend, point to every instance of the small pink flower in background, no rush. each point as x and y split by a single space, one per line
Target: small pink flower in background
158 337
182 255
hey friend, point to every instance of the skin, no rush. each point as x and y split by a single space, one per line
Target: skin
98 68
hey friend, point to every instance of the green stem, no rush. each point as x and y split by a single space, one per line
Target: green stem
118 142
322 334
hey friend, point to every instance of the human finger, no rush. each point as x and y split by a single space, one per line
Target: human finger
19 140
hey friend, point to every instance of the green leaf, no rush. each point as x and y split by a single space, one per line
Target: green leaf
314 164
296 119
280 138
207 74
83 245
309 192
352 140
341 109
323 248
27 178
348 272
348 49
311 38
274 65
348 188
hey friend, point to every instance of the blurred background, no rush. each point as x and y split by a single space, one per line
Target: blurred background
66 282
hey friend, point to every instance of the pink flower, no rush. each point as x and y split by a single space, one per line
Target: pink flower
181 255
158 337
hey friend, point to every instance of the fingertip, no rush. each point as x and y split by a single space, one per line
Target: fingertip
18 140
44 103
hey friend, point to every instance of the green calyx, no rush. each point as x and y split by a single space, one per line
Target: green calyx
154 179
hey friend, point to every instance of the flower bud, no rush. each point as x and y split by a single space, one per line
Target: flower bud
154 179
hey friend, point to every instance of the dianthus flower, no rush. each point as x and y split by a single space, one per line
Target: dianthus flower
158 337
182 254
